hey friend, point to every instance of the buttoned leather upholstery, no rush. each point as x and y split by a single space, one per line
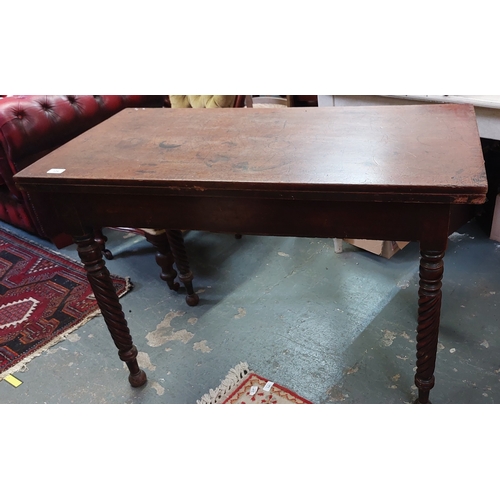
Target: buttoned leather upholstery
32 126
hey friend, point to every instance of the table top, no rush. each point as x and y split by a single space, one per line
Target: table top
421 150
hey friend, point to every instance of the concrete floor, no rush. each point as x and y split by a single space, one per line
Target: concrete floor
335 328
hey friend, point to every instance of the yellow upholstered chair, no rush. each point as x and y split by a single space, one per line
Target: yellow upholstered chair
207 101
202 101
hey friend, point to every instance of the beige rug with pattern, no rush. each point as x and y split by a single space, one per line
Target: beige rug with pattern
242 386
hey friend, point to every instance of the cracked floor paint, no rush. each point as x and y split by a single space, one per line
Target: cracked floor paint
52 350
201 346
165 333
335 394
388 338
158 388
144 361
241 313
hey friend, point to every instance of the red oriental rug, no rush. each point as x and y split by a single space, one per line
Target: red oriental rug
242 386
44 296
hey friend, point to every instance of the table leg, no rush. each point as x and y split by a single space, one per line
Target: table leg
101 241
176 241
164 258
109 303
429 311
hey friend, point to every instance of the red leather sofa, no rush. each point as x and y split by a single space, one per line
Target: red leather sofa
32 126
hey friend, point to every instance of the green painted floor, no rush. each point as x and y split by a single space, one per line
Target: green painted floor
335 328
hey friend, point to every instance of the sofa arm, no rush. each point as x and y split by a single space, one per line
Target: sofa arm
32 126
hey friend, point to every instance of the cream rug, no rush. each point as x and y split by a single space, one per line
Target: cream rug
242 386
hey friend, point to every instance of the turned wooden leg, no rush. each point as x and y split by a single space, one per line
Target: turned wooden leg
164 258
429 311
107 299
176 241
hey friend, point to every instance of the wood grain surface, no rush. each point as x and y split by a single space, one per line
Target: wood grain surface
421 149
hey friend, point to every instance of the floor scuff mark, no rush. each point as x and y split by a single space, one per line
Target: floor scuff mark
165 333
144 361
201 346
335 394
241 313
457 237
403 284
388 338
53 350
158 388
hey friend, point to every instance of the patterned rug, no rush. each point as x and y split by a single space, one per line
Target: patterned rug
44 296
242 386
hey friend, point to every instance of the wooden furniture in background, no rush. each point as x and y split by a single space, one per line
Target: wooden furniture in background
487 107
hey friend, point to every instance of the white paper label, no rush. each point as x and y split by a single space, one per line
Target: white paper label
254 390
268 386
56 170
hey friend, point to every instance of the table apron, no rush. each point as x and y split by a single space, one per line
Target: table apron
260 216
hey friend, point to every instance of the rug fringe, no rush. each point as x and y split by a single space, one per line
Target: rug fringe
233 378
22 365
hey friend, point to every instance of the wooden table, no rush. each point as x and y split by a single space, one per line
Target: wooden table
409 173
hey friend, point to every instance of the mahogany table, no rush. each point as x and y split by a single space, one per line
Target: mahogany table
404 173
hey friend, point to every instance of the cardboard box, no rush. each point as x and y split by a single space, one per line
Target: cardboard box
383 248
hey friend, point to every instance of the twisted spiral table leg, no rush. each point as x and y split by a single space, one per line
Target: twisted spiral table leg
164 258
176 242
101 239
429 311
107 299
